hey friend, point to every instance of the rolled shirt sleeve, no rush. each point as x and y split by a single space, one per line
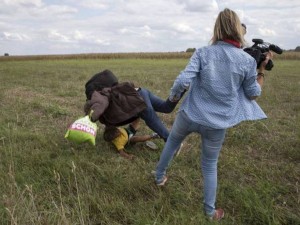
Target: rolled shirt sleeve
184 79
250 84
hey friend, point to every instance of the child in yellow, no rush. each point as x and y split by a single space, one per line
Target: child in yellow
121 136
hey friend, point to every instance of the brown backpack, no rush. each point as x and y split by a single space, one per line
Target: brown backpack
125 104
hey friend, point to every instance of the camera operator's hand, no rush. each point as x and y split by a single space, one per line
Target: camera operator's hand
269 55
261 69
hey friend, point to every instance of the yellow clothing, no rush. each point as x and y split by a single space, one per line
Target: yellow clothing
121 140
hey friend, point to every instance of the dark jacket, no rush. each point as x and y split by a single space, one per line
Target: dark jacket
117 106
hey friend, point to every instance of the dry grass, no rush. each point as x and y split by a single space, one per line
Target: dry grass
46 180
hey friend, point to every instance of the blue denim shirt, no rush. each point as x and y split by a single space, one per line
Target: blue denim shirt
221 79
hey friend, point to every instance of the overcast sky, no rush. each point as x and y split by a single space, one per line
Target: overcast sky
34 27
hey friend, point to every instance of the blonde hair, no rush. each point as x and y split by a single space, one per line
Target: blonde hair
228 26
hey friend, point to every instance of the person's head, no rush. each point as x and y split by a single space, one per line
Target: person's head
110 133
244 28
228 26
103 79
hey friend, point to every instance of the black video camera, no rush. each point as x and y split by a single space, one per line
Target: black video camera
259 48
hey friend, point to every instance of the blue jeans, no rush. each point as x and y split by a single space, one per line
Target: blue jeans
212 140
156 104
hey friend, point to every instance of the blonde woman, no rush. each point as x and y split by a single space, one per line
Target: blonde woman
223 83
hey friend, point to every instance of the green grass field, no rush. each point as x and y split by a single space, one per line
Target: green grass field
44 179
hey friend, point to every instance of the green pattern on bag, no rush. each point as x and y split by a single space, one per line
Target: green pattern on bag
82 130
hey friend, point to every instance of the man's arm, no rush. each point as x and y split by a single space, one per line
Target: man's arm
97 105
